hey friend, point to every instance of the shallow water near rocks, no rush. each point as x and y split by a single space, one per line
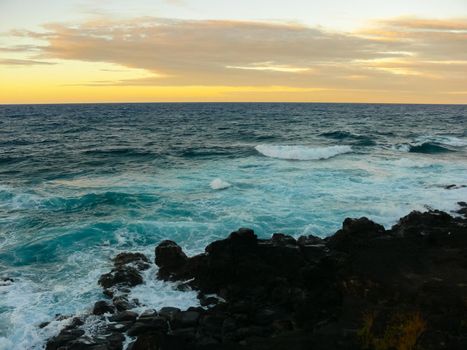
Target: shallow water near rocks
80 183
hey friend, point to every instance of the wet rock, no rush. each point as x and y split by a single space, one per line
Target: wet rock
147 341
454 187
184 334
463 209
355 232
121 303
43 324
432 227
115 341
243 236
139 260
102 307
108 293
148 314
169 313
146 325
185 319
119 327
124 316
121 276
63 338
283 240
309 240
6 281
208 300
75 322
362 287
265 316
170 258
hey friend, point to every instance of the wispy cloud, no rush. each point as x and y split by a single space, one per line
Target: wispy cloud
21 62
401 53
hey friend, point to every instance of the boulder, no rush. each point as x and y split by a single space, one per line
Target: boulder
170 258
138 260
102 307
355 232
121 276
124 316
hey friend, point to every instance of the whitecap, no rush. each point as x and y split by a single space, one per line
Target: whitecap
166 295
219 184
403 147
302 152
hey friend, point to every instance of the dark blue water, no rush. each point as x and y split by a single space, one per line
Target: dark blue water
79 183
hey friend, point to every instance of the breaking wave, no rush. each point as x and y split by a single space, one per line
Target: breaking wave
425 147
302 152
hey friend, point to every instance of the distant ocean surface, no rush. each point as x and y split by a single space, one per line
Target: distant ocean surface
80 183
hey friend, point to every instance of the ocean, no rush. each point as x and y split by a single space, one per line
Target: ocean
81 183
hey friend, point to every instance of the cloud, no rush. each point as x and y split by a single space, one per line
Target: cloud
21 62
400 53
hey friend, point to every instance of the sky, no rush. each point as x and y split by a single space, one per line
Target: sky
399 51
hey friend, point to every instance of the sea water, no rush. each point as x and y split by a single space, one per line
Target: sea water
81 183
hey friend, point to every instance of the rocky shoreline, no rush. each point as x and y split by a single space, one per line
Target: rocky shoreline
362 288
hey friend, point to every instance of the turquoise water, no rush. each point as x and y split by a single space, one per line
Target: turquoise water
80 183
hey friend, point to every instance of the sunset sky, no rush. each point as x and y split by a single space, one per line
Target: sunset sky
400 51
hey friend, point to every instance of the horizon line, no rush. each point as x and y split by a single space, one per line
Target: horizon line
231 102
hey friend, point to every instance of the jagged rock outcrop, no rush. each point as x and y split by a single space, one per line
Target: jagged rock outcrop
365 287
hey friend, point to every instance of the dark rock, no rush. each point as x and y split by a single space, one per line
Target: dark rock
208 301
148 341
187 318
185 334
6 281
139 260
454 187
243 236
148 314
309 240
463 209
75 322
418 224
121 276
102 307
119 327
170 258
63 338
208 343
148 325
124 316
169 313
364 287
121 303
115 341
283 240
108 293
265 316
355 232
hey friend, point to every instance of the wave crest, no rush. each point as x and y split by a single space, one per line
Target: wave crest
425 147
302 152
219 184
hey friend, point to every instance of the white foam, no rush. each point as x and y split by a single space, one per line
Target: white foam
29 308
219 184
402 147
302 152
154 293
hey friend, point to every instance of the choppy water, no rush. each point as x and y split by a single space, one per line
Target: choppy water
79 183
